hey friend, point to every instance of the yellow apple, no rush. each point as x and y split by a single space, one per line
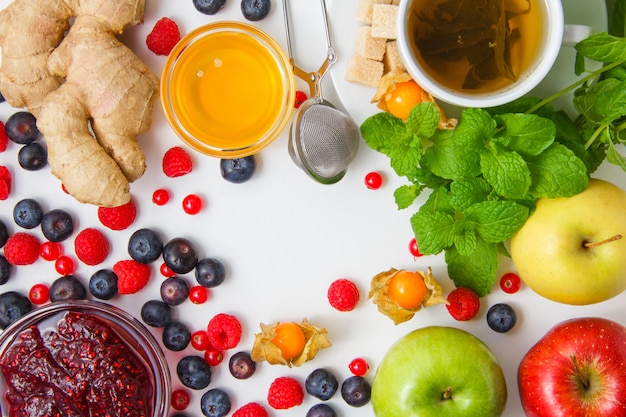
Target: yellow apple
571 250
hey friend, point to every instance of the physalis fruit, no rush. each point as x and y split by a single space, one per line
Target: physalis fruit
399 294
281 343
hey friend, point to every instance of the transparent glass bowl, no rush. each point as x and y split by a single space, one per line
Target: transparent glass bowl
134 334
228 89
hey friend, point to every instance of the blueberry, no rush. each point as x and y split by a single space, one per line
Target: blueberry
215 403
174 291
238 170
57 225
145 246
32 157
210 272
501 317
13 305
27 213
208 6
255 10
156 313
321 410
5 270
21 127
4 233
176 336
321 383
356 391
67 287
241 365
179 255
103 284
193 372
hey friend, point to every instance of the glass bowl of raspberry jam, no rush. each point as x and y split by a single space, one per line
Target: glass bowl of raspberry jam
82 358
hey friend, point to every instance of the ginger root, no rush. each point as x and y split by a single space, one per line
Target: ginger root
93 96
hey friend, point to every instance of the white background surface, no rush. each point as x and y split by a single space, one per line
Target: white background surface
285 238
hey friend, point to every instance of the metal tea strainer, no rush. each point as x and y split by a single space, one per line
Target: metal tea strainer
323 141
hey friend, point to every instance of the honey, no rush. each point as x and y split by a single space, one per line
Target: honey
228 90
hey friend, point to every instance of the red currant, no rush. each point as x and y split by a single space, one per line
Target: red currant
166 271
373 180
160 197
50 250
414 249
192 204
301 97
39 294
200 340
180 399
213 356
359 366
65 265
198 294
510 282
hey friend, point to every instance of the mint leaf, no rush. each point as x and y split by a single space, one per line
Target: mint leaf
423 119
476 270
526 134
507 173
405 195
603 47
614 157
453 155
404 157
603 102
434 231
439 200
466 193
383 131
557 172
496 221
478 124
465 237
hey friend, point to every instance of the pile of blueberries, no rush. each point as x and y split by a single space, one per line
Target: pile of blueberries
21 128
253 10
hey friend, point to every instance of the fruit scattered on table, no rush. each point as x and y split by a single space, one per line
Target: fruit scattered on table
215 403
198 294
68 287
103 284
174 291
57 225
373 180
132 276
301 97
413 249
179 255
463 304
163 37
192 204
252 409
13 305
64 265
176 162
381 296
39 294
193 372
21 128
27 213
210 272
91 246
576 369
161 196
200 340
343 294
356 391
510 282
255 10
322 384
238 170
175 336
321 410
180 399
145 245
5 182
241 365
22 248
290 339
359 366
32 157
156 313
209 7
118 217
285 392
264 349
501 317
224 331
213 356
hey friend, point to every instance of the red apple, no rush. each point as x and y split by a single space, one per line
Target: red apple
578 369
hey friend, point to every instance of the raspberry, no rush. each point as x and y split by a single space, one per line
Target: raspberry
343 295
91 246
251 410
224 331
163 37
118 218
464 304
131 276
176 162
5 182
285 392
21 249
4 139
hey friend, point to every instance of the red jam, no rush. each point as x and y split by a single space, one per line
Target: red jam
84 368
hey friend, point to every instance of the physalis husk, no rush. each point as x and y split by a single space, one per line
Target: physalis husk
385 88
379 293
316 338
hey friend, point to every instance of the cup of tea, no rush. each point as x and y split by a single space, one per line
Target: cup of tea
482 53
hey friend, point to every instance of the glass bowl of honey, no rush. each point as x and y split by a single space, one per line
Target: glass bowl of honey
82 358
228 89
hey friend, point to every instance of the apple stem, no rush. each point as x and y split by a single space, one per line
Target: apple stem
584 380
447 394
602 242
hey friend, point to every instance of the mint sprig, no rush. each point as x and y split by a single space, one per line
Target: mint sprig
484 177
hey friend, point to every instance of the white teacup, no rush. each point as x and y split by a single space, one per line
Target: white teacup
548 43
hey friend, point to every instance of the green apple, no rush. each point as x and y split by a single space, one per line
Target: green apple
570 249
439 372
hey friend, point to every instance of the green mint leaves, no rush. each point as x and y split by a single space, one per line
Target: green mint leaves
483 177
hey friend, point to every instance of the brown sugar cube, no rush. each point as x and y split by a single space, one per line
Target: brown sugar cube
384 21
364 71
369 47
392 59
365 9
